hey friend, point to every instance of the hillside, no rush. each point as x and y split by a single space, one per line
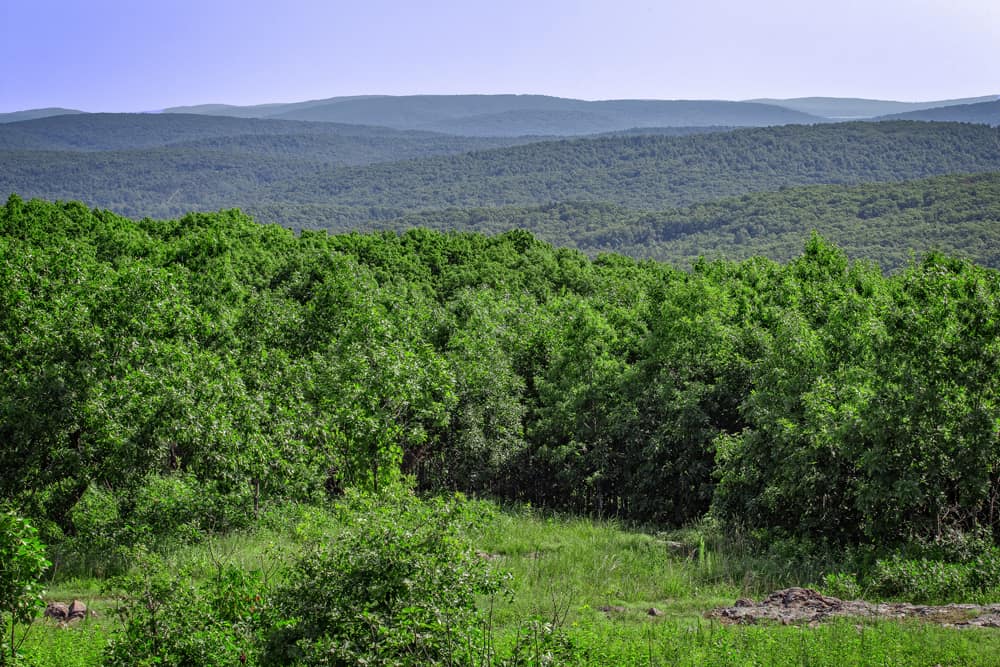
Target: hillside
655 172
886 223
30 114
987 113
104 132
513 115
638 172
846 108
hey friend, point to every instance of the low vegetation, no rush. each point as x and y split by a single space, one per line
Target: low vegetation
311 586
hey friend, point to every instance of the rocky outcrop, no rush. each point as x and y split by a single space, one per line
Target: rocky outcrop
804 605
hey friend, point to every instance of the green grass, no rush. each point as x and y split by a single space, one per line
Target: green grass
565 569
562 571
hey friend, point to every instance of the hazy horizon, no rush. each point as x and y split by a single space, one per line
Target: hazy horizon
110 55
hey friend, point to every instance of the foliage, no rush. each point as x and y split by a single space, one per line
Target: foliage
165 512
22 564
399 586
170 378
170 619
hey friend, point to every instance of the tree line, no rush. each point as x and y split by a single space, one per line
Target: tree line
173 375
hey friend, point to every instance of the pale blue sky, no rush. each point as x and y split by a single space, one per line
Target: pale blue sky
112 55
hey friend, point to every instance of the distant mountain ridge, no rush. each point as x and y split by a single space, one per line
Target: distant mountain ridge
543 115
105 131
32 114
846 108
987 113
536 114
510 115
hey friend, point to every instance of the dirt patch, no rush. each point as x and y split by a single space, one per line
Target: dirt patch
804 605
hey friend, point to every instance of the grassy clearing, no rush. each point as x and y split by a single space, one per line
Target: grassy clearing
562 572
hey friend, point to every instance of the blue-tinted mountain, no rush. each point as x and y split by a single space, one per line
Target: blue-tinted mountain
987 113
330 142
31 114
513 115
845 108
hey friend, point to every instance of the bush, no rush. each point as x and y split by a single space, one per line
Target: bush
22 563
935 580
399 586
921 580
164 512
170 620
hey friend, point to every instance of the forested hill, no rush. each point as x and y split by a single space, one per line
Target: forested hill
249 364
515 115
887 223
656 172
640 172
982 112
107 131
854 108
31 114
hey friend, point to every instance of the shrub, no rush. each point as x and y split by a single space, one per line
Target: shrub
936 580
921 579
170 620
165 511
398 586
22 563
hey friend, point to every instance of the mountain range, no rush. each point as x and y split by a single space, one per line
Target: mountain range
660 179
846 108
541 115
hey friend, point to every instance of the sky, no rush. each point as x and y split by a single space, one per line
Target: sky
144 55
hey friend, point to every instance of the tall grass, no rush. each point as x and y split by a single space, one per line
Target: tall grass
579 593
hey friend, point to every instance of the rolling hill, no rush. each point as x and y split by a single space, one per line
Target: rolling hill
31 114
987 113
654 172
282 181
881 222
513 115
845 108
103 132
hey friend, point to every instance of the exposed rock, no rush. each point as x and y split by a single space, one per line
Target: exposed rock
612 609
77 611
57 611
804 605
484 555
989 620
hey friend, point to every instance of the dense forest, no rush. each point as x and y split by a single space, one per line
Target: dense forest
884 222
121 131
277 174
252 364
